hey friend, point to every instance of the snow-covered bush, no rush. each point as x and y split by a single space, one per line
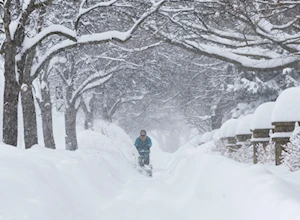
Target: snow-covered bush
220 146
107 137
265 155
291 155
243 154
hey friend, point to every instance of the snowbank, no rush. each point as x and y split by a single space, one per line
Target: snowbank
228 128
243 126
205 137
44 184
98 182
287 106
196 140
219 188
223 130
262 116
107 137
216 134
41 183
1 101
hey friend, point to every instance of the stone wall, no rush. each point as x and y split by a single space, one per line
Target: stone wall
259 136
281 136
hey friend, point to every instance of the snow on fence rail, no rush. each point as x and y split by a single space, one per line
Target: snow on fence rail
279 116
286 112
261 127
243 132
227 133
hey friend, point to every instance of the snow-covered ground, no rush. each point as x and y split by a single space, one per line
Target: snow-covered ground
1 98
99 181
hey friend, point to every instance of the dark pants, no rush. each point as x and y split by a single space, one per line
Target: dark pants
147 160
144 159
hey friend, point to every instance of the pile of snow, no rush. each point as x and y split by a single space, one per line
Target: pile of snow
196 140
214 187
1 101
210 136
243 126
223 130
287 106
228 128
56 184
216 134
262 116
205 137
98 182
107 137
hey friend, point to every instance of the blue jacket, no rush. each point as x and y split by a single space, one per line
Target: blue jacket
143 146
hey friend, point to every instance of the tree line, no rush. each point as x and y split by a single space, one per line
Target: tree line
224 49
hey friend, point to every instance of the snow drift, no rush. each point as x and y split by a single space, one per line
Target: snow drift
99 181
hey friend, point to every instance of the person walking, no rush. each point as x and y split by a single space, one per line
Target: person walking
143 144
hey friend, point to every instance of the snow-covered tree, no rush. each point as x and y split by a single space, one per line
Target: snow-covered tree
26 47
43 97
79 76
265 154
243 154
258 35
291 153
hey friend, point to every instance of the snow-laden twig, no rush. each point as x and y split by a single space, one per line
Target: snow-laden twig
92 39
132 50
83 11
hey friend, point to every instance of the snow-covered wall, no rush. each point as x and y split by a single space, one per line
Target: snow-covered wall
262 116
1 101
216 134
225 189
53 184
205 137
228 128
287 106
99 181
243 126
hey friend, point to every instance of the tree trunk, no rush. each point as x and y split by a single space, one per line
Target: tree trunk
89 117
216 122
11 98
29 112
105 114
107 117
46 111
88 122
29 116
70 123
216 119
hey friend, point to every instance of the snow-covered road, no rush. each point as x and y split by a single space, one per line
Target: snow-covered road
102 183
196 184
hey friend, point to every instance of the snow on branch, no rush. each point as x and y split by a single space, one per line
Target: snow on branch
83 11
265 29
279 3
241 58
176 10
287 25
93 38
61 30
26 4
213 31
238 56
121 101
94 80
132 50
